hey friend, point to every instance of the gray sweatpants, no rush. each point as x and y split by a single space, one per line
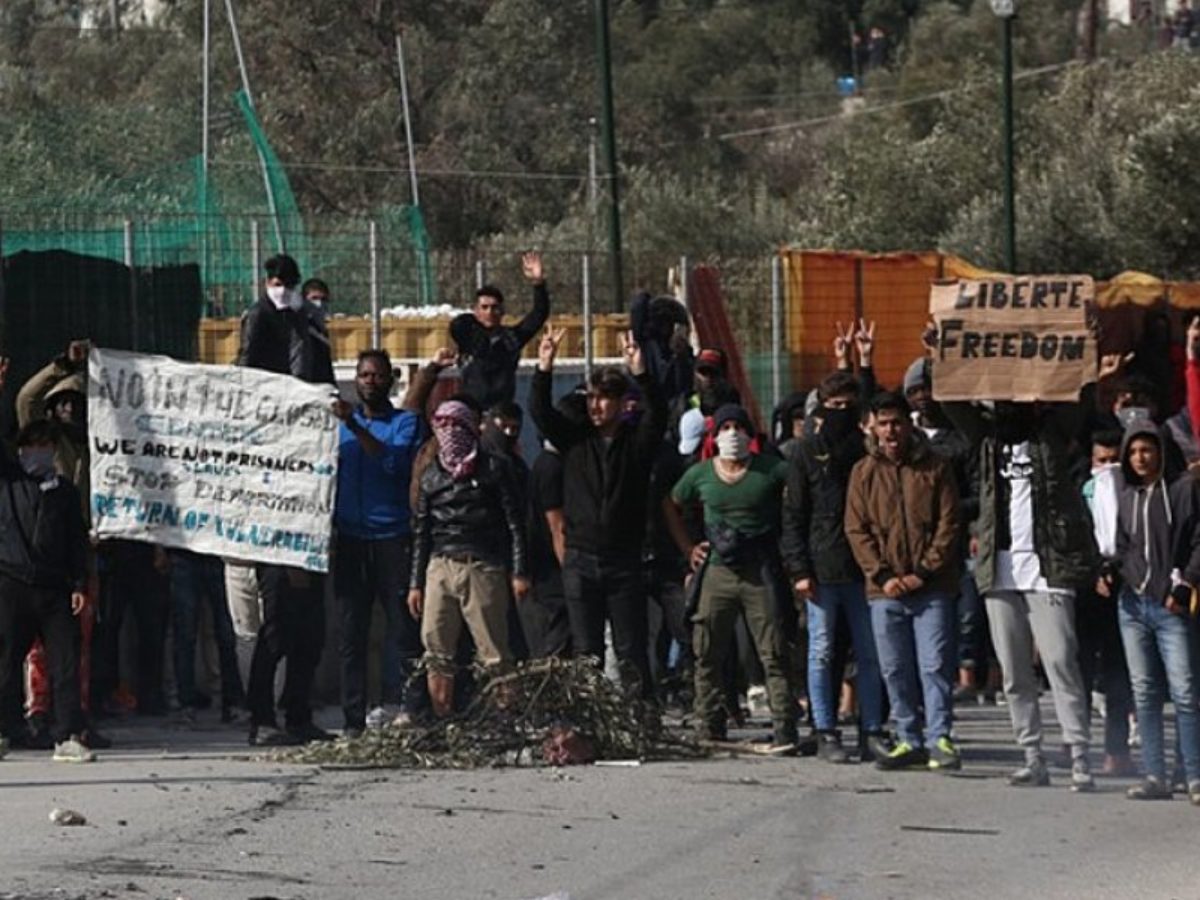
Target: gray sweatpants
1018 619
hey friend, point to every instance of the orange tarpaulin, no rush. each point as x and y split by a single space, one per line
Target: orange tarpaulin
825 287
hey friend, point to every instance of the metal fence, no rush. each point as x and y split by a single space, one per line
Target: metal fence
373 267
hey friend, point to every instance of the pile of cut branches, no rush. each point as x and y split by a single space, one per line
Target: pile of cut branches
544 712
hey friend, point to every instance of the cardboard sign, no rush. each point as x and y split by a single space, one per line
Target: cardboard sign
224 460
1020 339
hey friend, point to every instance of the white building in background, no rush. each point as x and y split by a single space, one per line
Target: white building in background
133 13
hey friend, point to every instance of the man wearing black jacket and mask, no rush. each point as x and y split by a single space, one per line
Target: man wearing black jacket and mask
822 568
282 334
607 463
43 586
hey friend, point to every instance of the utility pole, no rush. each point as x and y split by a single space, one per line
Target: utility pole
604 64
262 160
1007 11
408 134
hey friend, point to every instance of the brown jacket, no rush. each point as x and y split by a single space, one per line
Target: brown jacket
903 519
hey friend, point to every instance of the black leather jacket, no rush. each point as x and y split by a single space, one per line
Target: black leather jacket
478 517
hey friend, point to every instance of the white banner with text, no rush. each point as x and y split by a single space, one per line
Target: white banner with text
222 460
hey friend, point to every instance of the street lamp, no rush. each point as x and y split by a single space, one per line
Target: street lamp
1007 11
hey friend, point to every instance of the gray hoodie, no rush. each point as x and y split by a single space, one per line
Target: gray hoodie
1158 525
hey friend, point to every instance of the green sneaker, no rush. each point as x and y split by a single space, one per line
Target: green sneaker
944 755
903 756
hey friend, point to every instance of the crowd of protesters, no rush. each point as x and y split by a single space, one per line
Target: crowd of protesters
875 558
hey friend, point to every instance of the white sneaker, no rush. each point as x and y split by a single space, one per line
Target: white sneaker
382 716
72 751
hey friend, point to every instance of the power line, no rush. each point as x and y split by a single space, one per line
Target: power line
883 107
442 173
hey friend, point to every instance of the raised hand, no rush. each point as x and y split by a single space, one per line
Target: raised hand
632 351
342 410
841 346
531 266
444 357
864 341
548 348
1112 363
929 337
77 352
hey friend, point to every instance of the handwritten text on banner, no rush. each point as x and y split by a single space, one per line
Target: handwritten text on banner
224 460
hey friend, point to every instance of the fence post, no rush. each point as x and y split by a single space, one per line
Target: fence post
776 330
588 352
133 292
255 261
376 320
480 273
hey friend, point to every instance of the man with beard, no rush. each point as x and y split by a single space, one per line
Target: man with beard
377 445
606 463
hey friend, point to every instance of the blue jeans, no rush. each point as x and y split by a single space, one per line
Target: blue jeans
1158 643
834 600
917 640
197 581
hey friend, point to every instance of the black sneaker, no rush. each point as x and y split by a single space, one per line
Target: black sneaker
875 745
903 756
1032 774
270 736
830 749
94 740
309 732
1151 788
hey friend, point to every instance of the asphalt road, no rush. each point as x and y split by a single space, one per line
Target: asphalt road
186 814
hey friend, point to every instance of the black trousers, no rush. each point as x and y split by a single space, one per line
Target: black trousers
1102 663
367 573
28 612
544 618
129 581
614 590
293 626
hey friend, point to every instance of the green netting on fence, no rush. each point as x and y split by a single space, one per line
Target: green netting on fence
227 221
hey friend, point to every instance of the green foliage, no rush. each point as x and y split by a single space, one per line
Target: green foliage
502 92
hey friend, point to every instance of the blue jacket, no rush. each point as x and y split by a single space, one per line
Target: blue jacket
372 493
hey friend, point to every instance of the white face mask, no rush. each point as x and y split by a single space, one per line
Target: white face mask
733 445
276 293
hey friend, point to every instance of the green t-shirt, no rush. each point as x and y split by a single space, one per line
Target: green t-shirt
752 506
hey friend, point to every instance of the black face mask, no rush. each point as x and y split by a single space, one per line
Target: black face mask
1015 422
837 423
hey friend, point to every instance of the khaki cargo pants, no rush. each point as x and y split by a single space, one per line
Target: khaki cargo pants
470 591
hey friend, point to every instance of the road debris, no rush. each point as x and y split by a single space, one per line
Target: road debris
545 712
66 817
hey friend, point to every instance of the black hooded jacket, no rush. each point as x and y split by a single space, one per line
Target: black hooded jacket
43 541
605 483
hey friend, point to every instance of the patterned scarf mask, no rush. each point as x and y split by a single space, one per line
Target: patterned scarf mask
457 433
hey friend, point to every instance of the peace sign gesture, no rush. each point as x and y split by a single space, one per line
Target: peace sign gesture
548 347
841 346
864 340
